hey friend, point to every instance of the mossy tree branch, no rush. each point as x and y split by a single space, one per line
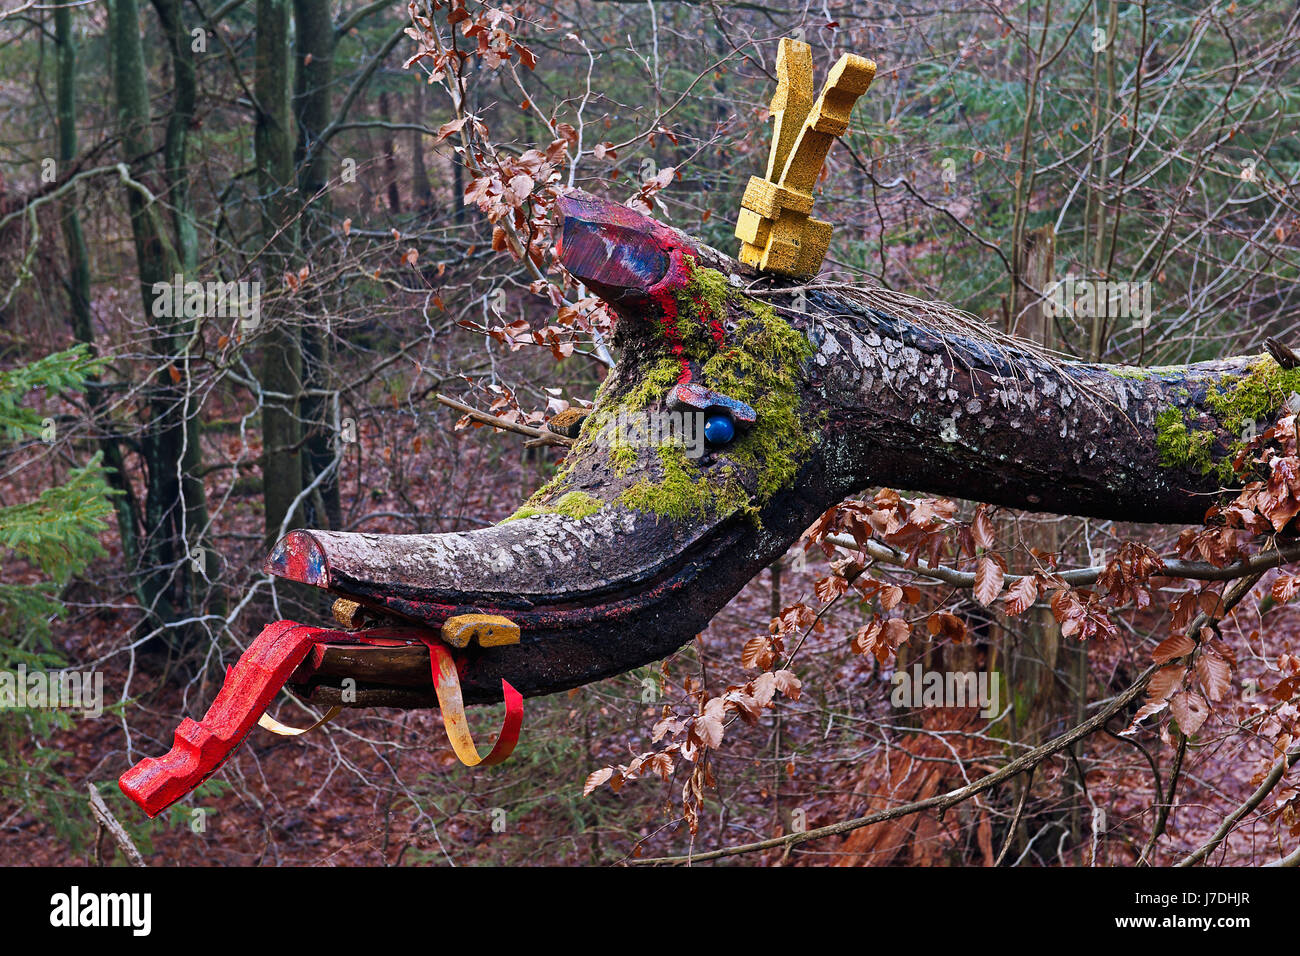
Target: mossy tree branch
634 545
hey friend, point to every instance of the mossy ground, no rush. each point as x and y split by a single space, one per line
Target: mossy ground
1251 401
758 363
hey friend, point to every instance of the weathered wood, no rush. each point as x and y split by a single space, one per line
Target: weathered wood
891 391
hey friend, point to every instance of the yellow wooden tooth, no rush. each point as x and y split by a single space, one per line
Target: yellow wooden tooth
791 101
828 121
812 247
490 630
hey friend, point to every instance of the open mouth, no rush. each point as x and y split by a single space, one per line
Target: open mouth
574 598
594 587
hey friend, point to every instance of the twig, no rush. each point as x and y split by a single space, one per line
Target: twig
1167 804
545 436
1255 799
104 817
1173 568
1015 820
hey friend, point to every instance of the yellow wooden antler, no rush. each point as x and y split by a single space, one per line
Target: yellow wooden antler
776 232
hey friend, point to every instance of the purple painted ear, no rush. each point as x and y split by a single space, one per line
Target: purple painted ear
611 249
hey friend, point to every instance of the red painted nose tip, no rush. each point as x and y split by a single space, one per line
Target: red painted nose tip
611 248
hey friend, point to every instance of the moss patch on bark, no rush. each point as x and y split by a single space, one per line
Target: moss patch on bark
1248 402
758 362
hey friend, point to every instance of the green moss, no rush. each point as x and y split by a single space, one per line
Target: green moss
622 456
1255 397
578 504
526 511
1250 400
574 504
759 363
1131 371
1180 447
683 492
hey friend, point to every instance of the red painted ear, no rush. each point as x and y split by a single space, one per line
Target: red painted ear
612 249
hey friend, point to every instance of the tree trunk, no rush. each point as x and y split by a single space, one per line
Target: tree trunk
282 433
176 170
633 547
316 40
124 502
421 189
164 441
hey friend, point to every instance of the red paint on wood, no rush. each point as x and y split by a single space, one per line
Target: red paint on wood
201 747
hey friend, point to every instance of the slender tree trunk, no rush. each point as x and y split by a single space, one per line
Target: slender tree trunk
74 238
282 432
316 41
176 141
163 440
176 169
421 190
391 172
1038 697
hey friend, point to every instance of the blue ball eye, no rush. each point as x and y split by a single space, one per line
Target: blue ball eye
719 429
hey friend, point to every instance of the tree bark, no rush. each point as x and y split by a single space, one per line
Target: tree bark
124 503
890 391
177 174
274 142
315 51
165 444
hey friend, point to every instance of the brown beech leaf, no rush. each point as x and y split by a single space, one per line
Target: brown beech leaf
982 528
1215 674
446 129
947 624
1145 711
1165 682
1020 597
787 684
1179 645
989 576
890 596
1190 710
709 729
1286 587
757 652
596 779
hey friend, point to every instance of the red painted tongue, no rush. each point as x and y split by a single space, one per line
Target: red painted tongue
201 747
